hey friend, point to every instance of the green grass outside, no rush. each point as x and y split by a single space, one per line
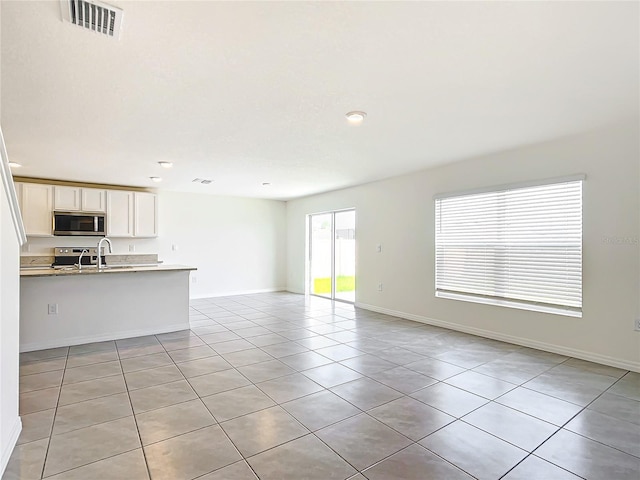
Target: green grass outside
343 284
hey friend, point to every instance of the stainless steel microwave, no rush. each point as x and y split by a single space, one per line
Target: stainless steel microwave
79 223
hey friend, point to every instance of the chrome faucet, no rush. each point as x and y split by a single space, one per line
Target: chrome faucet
84 250
99 260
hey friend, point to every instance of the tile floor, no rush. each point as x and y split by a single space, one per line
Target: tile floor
279 386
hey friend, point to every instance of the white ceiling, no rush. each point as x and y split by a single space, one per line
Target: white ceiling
245 93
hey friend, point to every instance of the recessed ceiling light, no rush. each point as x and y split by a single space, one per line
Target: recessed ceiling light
165 164
356 117
14 165
156 179
266 184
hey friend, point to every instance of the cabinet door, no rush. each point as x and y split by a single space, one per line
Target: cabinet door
146 214
37 211
94 200
119 213
66 198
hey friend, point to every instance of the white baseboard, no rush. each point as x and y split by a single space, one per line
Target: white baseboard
293 290
8 448
239 292
65 342
525 342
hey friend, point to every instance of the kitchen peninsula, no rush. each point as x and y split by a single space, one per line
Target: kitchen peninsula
66 298
60 307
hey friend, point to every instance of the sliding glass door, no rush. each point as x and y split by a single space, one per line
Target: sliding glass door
332 255
320 254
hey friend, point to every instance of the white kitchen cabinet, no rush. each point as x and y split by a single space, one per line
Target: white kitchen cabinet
94 200
129 214
119 213
37 209
66 199
146 214
73 199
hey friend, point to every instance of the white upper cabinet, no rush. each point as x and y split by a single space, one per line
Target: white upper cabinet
146 214
132 214
73 199
66 198
36 204
128 214
94 200
119 213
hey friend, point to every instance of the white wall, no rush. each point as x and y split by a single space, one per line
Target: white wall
237 244
399 214
10 425
9 329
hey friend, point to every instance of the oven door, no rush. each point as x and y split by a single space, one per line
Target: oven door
78 223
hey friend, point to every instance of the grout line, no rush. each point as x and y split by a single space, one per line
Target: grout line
433 453
562 427
207 409
92 398
242 460
542 459
133 414
92 462
55 414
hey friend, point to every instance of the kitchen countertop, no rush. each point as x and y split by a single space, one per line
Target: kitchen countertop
87 270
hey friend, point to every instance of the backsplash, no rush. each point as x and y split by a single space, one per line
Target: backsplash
35 260
112 259
43 245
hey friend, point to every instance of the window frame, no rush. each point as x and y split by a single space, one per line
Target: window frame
506 301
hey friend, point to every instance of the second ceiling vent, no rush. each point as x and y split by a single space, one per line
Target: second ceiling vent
95 16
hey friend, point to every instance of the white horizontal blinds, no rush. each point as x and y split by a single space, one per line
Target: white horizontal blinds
521 244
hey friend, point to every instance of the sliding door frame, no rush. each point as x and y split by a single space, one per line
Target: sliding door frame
309 273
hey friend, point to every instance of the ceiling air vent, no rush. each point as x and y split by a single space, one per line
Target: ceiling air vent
95 16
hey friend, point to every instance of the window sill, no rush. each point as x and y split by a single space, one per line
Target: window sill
510 304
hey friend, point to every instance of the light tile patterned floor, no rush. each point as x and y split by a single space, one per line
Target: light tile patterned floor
279 386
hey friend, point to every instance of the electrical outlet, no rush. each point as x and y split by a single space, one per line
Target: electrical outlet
636 325
132 248
53 309
380 287
174 247
194 279
379 248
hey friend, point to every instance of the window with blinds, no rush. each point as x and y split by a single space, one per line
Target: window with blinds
517 246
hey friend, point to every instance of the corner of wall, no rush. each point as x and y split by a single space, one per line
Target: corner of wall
12 439
10 424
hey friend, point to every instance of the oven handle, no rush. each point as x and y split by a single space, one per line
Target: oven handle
95 223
